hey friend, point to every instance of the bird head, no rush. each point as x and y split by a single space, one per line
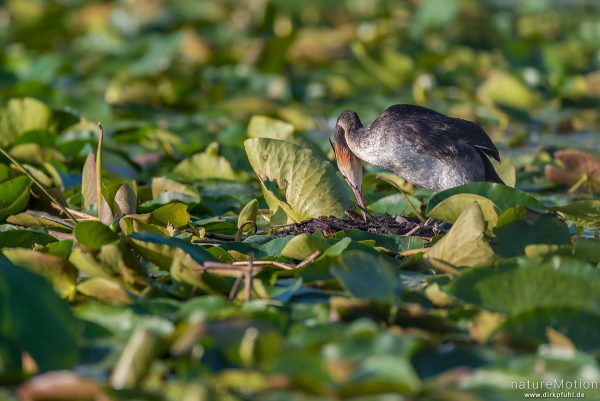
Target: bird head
350 166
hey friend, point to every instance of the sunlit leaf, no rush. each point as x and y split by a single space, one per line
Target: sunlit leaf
174 214
266 127
465 243
207 165
504 89
104 290
21 115
310 186
451 208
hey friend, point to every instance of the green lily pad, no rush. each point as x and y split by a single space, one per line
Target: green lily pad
451 208
502 196
504 89
160 249
14 196
587 249
367 276
267 127
104 290
512 238
174 214
579 326
465 243
207 165
13 238
518 286
164 185
21 115
93 234
310 185
394 204
303 245
585 213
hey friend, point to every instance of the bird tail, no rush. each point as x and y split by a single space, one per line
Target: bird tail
490 173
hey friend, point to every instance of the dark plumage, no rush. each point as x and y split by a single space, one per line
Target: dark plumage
423 146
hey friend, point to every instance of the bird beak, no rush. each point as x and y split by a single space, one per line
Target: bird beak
360 200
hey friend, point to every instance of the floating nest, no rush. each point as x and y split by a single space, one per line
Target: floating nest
375 223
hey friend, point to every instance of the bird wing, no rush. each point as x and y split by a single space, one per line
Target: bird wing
432 131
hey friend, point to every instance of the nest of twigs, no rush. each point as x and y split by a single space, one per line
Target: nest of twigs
374 223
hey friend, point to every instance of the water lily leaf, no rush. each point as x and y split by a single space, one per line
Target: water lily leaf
126 199
110 263
136 359
512 238
207 165
367 276
32 219
506 170
503 197
104 290
93 234
88 264
451 208
248 214
267 127
581 170
395 181
585 213
164 185
160 249
395 204
14 196
587 249
387 373
540 250
21 115
522 285
38 174
310 186
303 245
57 270
395 243
465 243
434 14
174 214
36 154
184 269
579 326
5 172
23 293
503 89
13 238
